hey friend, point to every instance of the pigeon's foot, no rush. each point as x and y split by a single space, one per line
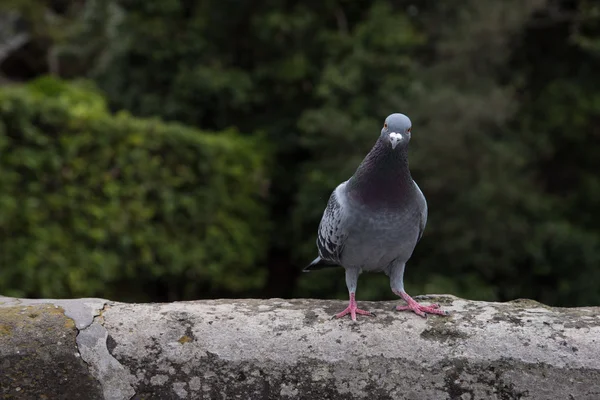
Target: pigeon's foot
417 308
352 309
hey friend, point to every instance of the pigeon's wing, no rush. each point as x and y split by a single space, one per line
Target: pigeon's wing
332 233
423 207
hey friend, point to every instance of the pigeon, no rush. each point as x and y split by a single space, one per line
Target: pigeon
374 220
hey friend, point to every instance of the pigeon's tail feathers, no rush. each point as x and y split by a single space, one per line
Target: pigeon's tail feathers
319 263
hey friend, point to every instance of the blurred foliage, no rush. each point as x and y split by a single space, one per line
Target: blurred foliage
94 204
503 96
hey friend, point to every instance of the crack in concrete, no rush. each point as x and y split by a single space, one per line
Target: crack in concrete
116 381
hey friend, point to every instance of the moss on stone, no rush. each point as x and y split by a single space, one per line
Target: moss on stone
185 339
45 341
5 329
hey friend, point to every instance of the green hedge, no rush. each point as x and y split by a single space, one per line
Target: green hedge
94 204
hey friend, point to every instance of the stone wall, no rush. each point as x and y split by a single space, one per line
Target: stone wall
278 349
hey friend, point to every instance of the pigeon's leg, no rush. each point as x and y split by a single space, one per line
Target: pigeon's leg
397 284
352 309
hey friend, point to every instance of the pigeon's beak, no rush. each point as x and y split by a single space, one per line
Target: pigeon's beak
395 138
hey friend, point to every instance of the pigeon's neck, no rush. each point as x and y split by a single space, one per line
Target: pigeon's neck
383 178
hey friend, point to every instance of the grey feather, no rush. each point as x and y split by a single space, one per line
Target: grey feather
332 230
331 235
424 211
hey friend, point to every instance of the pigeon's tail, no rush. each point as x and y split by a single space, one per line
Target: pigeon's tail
319 263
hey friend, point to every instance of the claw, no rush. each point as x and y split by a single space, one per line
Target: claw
419 309
353 310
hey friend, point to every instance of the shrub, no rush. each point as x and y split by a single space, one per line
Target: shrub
94 204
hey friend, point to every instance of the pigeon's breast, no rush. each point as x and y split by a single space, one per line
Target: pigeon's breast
375 239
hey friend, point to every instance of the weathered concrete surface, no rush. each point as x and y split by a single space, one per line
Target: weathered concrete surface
272 349
39 357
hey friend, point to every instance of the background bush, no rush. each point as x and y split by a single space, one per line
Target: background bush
94 204
503 97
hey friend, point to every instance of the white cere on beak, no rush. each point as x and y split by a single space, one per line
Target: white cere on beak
395 138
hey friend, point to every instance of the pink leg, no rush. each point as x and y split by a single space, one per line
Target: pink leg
418 308
353 310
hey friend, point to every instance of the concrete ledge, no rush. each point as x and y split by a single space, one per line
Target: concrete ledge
272 349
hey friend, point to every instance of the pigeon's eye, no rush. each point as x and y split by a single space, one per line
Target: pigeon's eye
385 125
409 130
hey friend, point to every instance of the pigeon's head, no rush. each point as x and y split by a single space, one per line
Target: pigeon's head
396 130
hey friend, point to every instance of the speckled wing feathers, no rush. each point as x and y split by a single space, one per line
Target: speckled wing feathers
332 235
